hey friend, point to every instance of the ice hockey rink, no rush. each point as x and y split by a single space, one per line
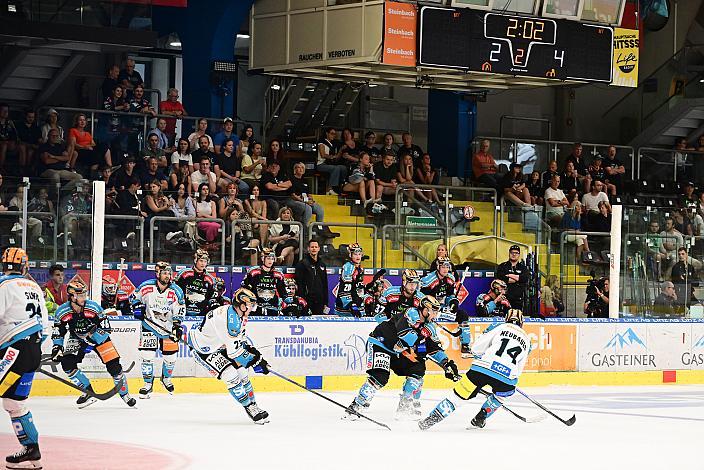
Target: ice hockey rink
623 427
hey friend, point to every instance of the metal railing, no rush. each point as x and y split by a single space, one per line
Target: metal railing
386 228
22 219
186 219
266 222
373 228
108 217
679 160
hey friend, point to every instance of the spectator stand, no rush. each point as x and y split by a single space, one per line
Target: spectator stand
669 165
241 222
155 239
119 247
409 240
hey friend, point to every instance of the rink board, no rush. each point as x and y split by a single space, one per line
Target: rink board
330 353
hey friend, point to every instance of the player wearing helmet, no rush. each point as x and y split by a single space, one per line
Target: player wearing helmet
494 302
402 344
220 298
220 345
374 290
350 290
81 326
24 323
114 300
267 283
500 355
293 305
197 284
160 304
397 299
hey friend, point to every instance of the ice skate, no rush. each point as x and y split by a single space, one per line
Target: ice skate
131 402
146 391
465 352
351 412
480 420
434 418
28 457
168 385
85 400
406 411
258 415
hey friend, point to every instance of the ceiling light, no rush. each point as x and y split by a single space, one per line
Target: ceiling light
275 87
175 44
243 36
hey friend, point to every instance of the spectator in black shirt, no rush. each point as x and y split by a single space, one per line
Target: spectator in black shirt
368 147
54 158
598 173
569 181
688 197
684 278
389 146
349 149
129 78
203 150
312 279
275 188
582 171
549 173
409 148
228 168
614 169
515 274
513 186
153 173
110 81
276 153
535 188
665 305
120 179
152 150
302 201
385 172
30 136
127 203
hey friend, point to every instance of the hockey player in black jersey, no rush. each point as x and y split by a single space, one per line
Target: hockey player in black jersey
494 302
397 299
293 305
219 299
350 290
267 283
197 284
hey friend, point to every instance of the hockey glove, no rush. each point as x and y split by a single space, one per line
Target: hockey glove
138 311
57 353
451 371
176 332
261 366
355 311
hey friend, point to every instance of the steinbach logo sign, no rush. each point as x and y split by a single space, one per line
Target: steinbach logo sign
624 349
695 357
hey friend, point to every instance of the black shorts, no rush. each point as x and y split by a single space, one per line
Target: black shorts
480 380
18 362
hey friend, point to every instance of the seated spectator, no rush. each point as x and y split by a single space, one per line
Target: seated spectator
227 132
230 209
614 169
204 176
405 175
275 187
152 150
329 162
682 222
153 173
164 139
666 304
484 166
182 176
30 138
569 181
182 155
34 225
247 141
252 165
76 230
127 203
8 134
228 169
182 207
41 203
301 196
257 210
54 159
349 151
277 153
389 147
369 148
684 278
284 237
409 148
591 200
52 122
572 222
548 174
688 198
602 221
598 173
385 176
555 202
120 179
172 107
201 131
110 82
130 78
535 188
428 176
205 209
514 189
582 170
362 181
156 203
203 151
86 153
671 240
551 297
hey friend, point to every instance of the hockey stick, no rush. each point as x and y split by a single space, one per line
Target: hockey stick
99 396
46 361
534 419
291 381
456 334
568 422
159 327
119 282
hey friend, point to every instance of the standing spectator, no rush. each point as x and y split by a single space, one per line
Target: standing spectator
515 274
514 189
172 107
284 237
666 303
535 188
275 187
205 209
409 148
591 200
181 177
614 169
55 157
120 179
655 253
684 278
329 162
55 289
82 145
252 164
8 134
152 150
201 131
227 132
312 279
582 171
385 176
389 147
164 139
549 173
277 154
127 203
203 151
30 137
52 122
182 155
362 181
228 168
204 177
153 173
247 141
302 197
140 105
115 127
597 304
555 202
484 166
76 230
256 208
111 81
671 240
681 156
368 147
598 173
130 78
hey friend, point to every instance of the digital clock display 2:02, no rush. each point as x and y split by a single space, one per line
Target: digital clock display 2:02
520 34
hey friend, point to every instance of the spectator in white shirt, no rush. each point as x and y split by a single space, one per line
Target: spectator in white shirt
182 154
591 200
204 175
555 201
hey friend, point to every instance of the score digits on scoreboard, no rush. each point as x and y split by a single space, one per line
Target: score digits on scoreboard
519 34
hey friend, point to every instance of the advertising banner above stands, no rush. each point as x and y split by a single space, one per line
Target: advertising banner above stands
626 56
400 24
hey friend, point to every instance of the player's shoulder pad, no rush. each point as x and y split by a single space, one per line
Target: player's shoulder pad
254 271
63 310
185 274
451 277
178 291
302 301
493 326
234 322
209 278
94 306
428 278
148 282
393 290
348 268
278 274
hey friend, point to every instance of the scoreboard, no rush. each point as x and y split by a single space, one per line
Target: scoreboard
480 41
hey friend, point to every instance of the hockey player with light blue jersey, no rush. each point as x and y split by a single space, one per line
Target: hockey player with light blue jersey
160 304
500 355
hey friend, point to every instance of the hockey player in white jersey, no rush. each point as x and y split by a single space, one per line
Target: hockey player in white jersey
160 304
24 323
500 355
220 345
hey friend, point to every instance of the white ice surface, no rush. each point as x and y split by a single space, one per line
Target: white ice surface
622 428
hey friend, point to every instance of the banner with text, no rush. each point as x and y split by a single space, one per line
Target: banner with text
626 56
400 25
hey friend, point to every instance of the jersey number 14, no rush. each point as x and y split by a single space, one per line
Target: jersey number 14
512 352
